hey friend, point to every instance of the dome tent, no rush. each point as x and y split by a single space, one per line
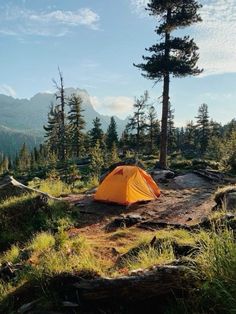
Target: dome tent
126 185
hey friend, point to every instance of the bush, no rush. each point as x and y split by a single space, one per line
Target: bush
204 163
181 164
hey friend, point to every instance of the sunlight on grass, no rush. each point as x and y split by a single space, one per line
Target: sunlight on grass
149 256
42 242
11 255
14 200
54 187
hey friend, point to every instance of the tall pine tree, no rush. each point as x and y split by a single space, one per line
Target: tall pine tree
111 135
153 128
137 123
96 133
171 55
203 128
60 96
53 131
76 126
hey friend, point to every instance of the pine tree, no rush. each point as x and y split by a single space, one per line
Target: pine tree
96 134
24 158
153 128
97 160
172 55
76 126
53 130
113 156
171 135
111 135
4 164
137 123
203 128
190 139
60 95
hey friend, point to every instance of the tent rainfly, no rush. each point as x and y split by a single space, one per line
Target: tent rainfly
126 185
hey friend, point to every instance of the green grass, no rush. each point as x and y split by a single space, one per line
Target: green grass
149 256
11 255
42 242
23 216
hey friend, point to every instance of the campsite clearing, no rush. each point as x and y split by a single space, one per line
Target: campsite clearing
176 206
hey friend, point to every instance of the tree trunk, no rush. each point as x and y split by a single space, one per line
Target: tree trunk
164 123
165 102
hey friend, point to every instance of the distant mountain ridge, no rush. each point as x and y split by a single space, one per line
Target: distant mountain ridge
12 140
31 114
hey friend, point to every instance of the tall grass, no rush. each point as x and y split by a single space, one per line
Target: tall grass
217 264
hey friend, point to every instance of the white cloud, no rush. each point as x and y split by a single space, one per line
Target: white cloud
120 106
83 16
17 21
7 90
138 7
216 37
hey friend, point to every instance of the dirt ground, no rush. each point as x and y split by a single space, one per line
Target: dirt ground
179 203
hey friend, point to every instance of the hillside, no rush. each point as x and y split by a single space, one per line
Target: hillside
31 114
12 140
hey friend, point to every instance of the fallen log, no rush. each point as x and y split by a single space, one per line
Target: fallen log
9 184
212 175
140 285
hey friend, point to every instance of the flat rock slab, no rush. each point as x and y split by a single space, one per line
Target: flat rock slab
188 181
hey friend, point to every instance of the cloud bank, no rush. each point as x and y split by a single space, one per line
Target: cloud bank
110 105
7 90
20 21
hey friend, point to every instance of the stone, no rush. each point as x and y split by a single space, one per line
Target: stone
230 201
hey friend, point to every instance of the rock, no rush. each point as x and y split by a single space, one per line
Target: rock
230 201
189 181
184 249
162 175
70 304
123 222
27 307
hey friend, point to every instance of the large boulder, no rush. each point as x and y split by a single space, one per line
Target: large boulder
160 175
226 198
189 181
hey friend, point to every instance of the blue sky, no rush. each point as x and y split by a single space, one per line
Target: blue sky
96 42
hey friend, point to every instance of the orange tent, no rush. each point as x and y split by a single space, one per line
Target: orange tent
126 185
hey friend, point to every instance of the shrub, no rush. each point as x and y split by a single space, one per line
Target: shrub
181 164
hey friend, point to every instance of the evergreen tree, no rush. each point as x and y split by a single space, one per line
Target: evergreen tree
97 160
190 139
53 130
171 135
24 158
216 129
113 156
137 123
111 135
172 55
203 128
4 164
60 96
76 126
180 137
229 128
124 140
153 128
96 133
